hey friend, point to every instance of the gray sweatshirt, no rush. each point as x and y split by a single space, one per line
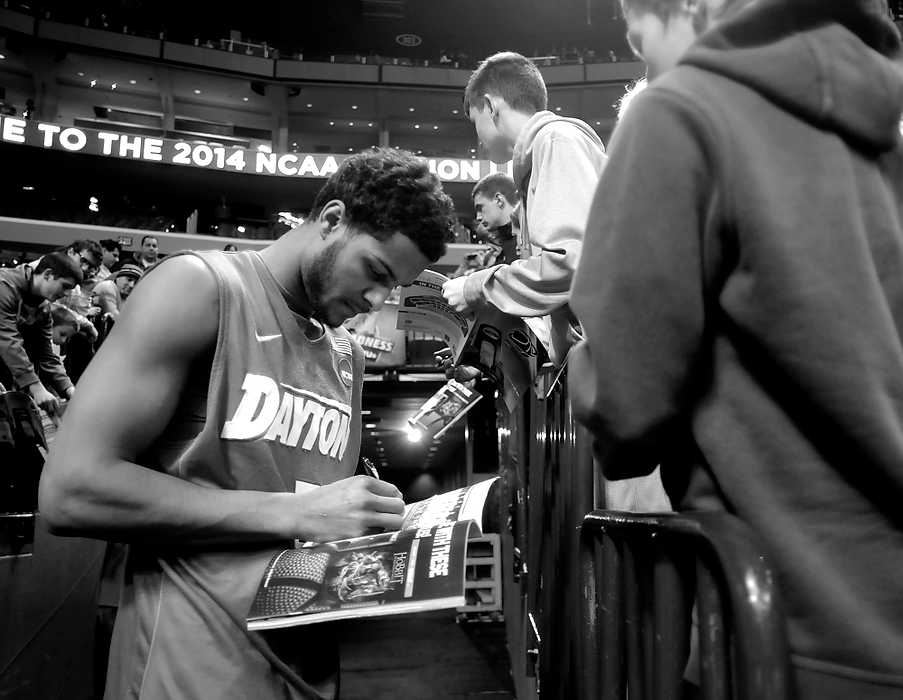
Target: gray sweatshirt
557 164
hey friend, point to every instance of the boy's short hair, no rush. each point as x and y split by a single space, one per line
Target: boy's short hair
497 182
146 236
110 245
63 316
513 77
61 265
387 191
84 245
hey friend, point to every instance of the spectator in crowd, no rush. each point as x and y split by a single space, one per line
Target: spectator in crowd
111 293
73 336
230 248
148 254
110 252
169 463
65 324
87 255
496 202
557 162
740 291
27 359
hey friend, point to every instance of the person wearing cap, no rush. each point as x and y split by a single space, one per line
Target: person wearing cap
111 293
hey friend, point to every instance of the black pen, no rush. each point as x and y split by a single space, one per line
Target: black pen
369 468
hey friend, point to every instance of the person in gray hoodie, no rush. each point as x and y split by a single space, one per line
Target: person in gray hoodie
741 294
557 163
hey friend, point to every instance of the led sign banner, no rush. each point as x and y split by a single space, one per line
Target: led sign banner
231 159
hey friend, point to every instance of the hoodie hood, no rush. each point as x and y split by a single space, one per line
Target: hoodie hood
848 76
523 148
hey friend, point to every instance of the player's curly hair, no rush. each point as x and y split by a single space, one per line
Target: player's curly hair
388 191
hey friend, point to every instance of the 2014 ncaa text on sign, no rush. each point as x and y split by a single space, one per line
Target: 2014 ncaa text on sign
202 155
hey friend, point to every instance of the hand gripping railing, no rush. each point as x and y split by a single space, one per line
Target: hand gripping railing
642 576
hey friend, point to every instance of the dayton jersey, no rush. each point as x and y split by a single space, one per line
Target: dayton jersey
280 412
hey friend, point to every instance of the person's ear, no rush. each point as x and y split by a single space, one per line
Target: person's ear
331 217
493 104
499 200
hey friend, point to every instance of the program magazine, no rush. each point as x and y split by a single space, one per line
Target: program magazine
419 567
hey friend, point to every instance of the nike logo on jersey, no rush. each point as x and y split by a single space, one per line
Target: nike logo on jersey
286 416
264 338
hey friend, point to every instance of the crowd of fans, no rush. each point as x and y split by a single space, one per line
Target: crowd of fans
56 311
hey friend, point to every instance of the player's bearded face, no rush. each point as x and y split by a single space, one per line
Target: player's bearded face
321 283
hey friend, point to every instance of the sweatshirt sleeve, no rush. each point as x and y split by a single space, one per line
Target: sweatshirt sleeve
639 290
565 170
12 345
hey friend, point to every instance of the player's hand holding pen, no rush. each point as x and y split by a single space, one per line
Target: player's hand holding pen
358 505
369 468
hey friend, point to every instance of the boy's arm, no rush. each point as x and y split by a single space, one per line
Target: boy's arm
12 345
92 485
564 176
106 299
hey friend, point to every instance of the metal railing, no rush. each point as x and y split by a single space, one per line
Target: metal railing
645 577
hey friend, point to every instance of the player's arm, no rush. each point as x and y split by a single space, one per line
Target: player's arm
92 484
